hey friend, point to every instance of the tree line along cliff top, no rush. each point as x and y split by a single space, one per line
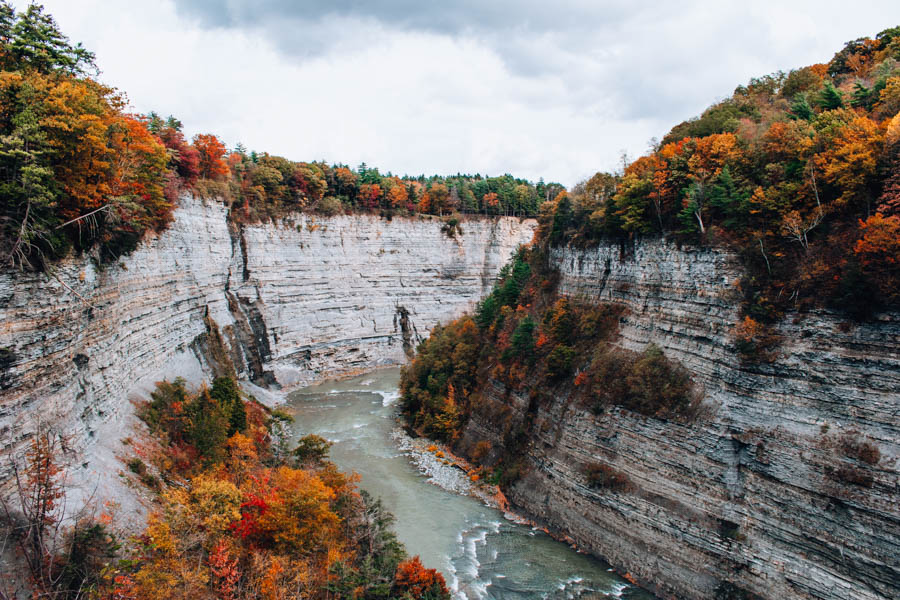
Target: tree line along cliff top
799 172
79 172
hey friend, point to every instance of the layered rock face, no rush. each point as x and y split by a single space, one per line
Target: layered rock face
771 491
290 303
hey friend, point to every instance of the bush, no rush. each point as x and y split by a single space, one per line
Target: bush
601 476
861 450
312 448
560 362
330 206
480 450
657 385
646 383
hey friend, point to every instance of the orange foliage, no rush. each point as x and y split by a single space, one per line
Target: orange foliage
212 151
878 250
398 196
413 578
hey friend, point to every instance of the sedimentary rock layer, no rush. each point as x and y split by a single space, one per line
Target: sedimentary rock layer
288 303
760 495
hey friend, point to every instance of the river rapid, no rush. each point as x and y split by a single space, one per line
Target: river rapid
482 554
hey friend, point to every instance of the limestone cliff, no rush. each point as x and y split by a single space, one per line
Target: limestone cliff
760 494
289 303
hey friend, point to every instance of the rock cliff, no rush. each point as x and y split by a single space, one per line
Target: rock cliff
768 491
289 303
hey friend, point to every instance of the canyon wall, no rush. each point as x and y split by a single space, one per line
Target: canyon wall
762 494
289 303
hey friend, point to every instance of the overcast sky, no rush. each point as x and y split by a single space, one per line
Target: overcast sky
552 88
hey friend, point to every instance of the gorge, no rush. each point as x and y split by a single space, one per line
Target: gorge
226 374
752 496
745 496
309 298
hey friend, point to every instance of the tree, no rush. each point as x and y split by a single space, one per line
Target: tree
225 392
312 448
36 42
397 196
801 109
830 98
562 219
420 583
878 251
211 151
850 162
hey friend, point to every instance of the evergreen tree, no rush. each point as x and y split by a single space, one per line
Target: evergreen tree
831 98
38 43
225 391
800 108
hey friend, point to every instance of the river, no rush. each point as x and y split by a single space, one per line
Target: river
481 554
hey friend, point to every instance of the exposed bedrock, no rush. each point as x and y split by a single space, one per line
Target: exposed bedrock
760 495
287 303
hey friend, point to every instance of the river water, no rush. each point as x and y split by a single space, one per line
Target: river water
481 554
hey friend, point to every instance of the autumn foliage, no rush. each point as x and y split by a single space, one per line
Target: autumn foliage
79 173
241 518
790 171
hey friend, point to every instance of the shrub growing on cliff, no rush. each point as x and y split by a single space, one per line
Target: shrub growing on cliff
647 383
603 476
440 378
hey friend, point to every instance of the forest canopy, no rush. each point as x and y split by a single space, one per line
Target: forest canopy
79 172
797 171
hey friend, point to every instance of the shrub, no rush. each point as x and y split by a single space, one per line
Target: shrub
330 206
851 474
560 362
480 450
755 342
861 450
657 385
312 448
136 466
602 476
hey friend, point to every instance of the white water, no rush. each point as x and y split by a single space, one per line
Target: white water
481 554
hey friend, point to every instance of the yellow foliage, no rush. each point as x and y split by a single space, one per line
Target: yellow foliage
215 503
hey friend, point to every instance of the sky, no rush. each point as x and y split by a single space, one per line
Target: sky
554 89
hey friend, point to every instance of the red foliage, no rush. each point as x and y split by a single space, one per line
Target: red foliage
225 570
211 151
412 577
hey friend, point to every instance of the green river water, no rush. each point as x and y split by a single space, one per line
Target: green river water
482 554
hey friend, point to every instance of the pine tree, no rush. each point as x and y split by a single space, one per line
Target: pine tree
38 43
831 98
800 108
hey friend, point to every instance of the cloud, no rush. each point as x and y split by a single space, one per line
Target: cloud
537 89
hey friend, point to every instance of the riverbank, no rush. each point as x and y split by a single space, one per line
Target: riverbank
455 524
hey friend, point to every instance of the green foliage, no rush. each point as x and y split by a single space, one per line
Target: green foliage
513 281
206 426
831 98
487 310
34 40
523 339
560 362
200 423
225 392
441 377
312 448
801 109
